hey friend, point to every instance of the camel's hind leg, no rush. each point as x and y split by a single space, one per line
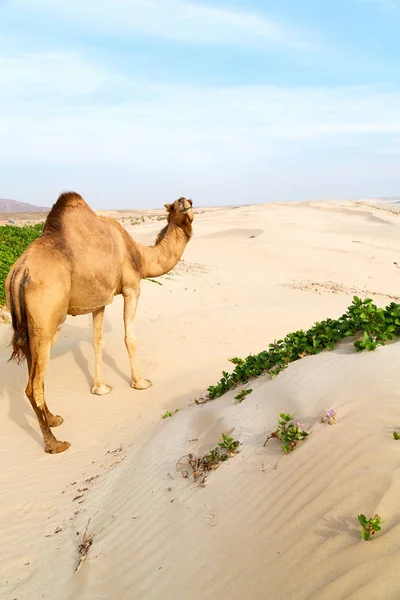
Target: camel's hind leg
53 420
99 387
37 364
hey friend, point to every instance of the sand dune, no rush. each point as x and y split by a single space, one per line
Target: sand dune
265 525
235 233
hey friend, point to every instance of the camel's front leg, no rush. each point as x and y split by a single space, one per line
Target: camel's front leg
99 387
130 304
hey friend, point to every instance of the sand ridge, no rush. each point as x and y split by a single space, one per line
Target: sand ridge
265 525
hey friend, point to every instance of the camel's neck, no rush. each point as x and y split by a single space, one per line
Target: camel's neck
163 257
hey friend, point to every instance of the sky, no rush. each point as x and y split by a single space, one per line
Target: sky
133 103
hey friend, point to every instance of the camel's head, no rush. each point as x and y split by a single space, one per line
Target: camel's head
180 211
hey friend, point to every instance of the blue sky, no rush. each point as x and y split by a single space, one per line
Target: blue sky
133 103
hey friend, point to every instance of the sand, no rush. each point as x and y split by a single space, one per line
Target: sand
266 525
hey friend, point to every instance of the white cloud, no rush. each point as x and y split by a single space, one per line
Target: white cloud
171 19
34 74
57 108
63 113
171 125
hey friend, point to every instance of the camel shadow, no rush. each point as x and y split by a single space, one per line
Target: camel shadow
110 362
83 363
333 526
19 409
76 335
21 413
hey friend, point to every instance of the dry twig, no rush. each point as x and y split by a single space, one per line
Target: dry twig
84 546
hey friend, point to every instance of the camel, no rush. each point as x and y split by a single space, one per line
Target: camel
77 266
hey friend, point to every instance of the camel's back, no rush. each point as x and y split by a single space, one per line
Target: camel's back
81 253
52 247
92 245
81 234
96 248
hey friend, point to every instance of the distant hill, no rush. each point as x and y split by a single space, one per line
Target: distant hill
13 206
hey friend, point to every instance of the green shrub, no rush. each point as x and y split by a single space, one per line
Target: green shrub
290 434
13 242
368 325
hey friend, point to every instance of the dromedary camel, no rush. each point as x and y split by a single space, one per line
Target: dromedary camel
78 264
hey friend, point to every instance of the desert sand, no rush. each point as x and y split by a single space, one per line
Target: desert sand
265 526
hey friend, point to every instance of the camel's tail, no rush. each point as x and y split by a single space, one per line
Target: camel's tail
16 302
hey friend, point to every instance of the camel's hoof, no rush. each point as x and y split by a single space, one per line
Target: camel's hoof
57 447
101 390
143 384
55 421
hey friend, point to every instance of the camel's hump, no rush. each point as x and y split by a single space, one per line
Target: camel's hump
68 200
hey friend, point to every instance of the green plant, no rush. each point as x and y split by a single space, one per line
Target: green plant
242 395
373 323
229 444
369 526
213 458
290 434
153 280
170 414
368 325
201 465
396 435
13 242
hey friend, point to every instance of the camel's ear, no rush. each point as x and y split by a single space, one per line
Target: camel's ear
190 202
167 207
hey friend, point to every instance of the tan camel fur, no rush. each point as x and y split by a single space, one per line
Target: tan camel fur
77 266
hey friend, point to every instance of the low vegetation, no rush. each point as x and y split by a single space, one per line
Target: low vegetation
13 242
199 466
144 218
288 433
367 324
369 526
242 395
170 414
329 416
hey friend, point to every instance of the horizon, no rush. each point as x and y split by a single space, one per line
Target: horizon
138 102
391 200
